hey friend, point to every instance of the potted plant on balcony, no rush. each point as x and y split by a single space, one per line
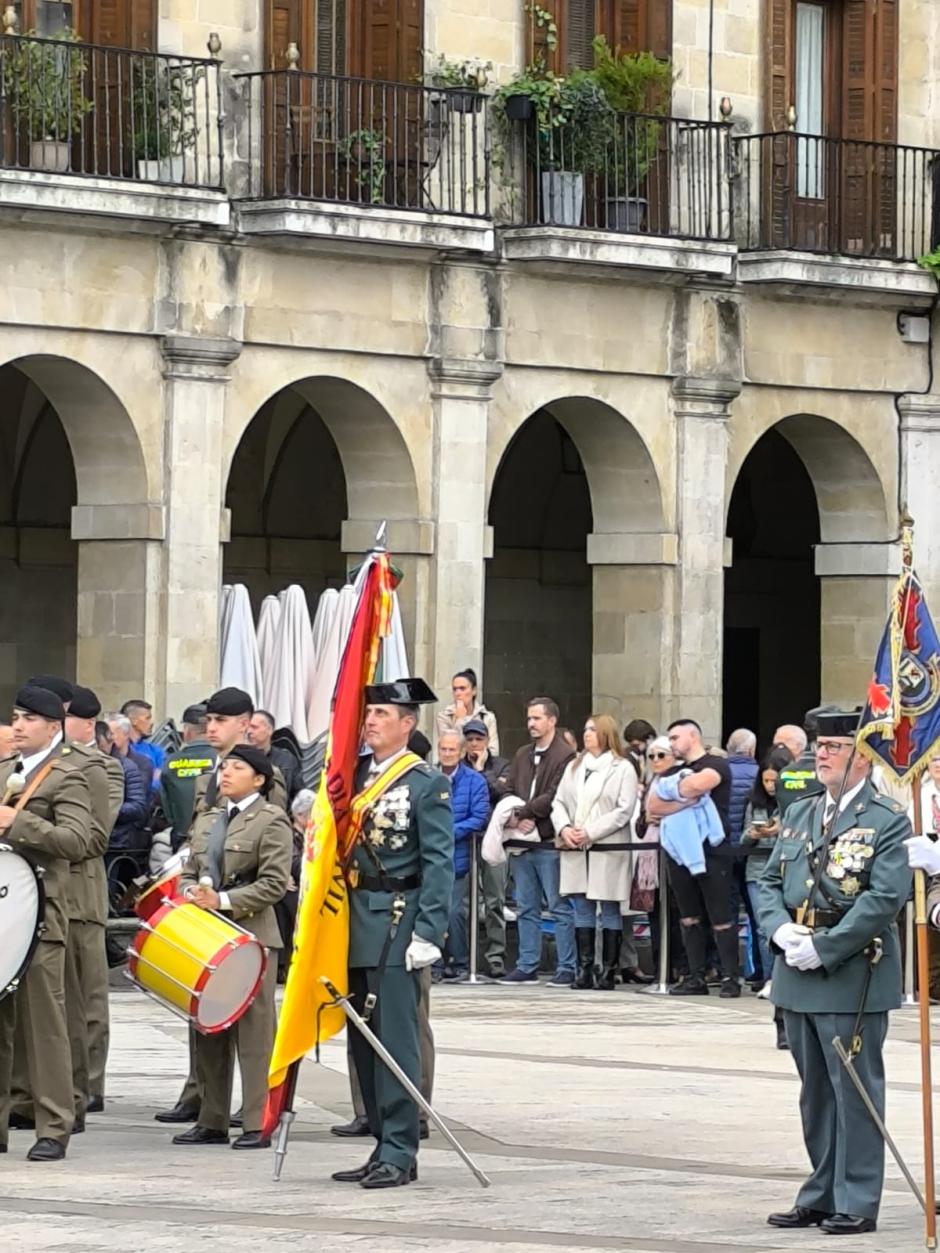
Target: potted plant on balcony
465 82
572 144
163 117
637 86
364 150
45 84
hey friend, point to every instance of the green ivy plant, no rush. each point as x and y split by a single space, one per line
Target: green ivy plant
544 21
164 108
366 149
930 261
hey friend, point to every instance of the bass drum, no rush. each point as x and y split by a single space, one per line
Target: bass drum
22 906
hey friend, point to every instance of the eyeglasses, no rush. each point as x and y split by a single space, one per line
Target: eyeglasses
829 748
657 756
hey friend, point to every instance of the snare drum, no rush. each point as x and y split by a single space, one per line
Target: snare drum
198 964
22 907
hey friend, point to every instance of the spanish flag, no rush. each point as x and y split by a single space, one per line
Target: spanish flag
321 938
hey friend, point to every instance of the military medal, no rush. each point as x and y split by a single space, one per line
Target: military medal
851 886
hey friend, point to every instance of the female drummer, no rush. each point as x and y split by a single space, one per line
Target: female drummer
244 846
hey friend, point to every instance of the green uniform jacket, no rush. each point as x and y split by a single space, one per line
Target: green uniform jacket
178 782
52 829
410 829
798 781
866 876
88 885
256 866
277 793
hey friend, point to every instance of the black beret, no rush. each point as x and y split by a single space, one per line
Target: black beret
53 683
230 701
84 703
260 762
39 700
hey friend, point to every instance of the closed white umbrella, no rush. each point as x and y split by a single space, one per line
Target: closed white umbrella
293 671
328 659
323 620
394 655
225 617
241 665
268 622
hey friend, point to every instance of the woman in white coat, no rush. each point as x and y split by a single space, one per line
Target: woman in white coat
592 814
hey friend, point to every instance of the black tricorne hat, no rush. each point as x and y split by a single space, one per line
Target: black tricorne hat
400 692
841 722
40 700
230 702
53 683
260 762
84 703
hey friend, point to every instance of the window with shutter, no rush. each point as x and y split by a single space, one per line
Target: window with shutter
580 29
331 37
389 39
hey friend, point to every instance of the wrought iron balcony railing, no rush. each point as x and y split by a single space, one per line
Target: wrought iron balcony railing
357 141
808 193
78 108
632 173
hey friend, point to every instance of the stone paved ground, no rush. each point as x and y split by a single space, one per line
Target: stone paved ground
606 1121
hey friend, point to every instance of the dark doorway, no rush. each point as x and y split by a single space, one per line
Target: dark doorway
538 636
772 636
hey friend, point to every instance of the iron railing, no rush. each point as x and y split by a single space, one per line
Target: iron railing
358 141
639 174
78 108
808 193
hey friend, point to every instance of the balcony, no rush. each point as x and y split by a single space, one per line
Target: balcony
836 213
650 193
335 158
101 130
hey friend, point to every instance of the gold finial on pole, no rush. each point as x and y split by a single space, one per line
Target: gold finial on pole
907 539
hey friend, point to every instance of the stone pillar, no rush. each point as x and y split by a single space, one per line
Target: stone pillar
460 395
119 651
194 389
920 457
856 582
693 630
631 576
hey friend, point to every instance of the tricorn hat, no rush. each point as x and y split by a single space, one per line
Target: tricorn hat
400 692
842 722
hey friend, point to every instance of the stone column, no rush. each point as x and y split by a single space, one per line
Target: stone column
119 651
194 389
460 395
856 581
693 630
920 457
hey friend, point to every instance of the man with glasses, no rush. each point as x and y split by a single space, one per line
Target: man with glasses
835 883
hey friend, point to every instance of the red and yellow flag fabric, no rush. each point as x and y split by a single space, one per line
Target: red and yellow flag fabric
321 938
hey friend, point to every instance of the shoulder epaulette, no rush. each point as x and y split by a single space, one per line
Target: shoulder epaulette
888 802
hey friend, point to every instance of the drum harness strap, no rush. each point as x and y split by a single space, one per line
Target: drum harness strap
25 795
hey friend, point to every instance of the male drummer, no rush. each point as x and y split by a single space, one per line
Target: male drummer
405 856
245 848
50 823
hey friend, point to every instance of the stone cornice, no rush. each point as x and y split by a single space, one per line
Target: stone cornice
464 378
199 357
919 412
698 397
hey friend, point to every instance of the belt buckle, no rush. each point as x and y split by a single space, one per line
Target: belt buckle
353 876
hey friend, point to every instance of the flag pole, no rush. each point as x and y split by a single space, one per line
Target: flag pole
923 1000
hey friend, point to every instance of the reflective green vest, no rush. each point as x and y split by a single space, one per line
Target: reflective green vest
798 781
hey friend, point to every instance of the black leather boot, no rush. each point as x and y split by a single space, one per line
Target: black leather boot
610 959
584 938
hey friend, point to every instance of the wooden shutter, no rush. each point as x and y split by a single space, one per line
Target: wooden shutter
637 25
285 23
120 23
579 31
389 40
778 63
331 37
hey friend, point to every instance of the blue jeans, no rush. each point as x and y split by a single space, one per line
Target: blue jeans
585 913
536 873
456 953
766 960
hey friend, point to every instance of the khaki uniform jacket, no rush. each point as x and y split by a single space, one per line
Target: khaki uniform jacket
206 795
53 829
256 865
88 885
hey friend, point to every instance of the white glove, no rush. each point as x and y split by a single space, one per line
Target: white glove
803 955
420 953
923 854
787 934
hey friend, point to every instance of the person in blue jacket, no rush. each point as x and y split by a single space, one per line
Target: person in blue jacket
471 805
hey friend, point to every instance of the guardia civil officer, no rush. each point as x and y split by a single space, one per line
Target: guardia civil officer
245 847
835 882
180 771
50 824
400 883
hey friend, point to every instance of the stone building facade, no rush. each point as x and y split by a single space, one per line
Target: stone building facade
647 471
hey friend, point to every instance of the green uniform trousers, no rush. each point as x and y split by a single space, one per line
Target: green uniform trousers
33 1027
253 1039
97 1011
86 1008
425 1045
845 1148
392 1114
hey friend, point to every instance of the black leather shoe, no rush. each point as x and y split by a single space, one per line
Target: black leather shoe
690 987
78 1126
95 1105
636 976
385 1175
46 1150
236 1119
179 1113
847 1225
252 1140
424 1131
358 1127
3 1148
782 1042
201 1135
353 1176
730 988
18 1122
799 1216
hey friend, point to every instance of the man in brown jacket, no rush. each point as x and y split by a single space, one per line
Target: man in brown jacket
534 776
